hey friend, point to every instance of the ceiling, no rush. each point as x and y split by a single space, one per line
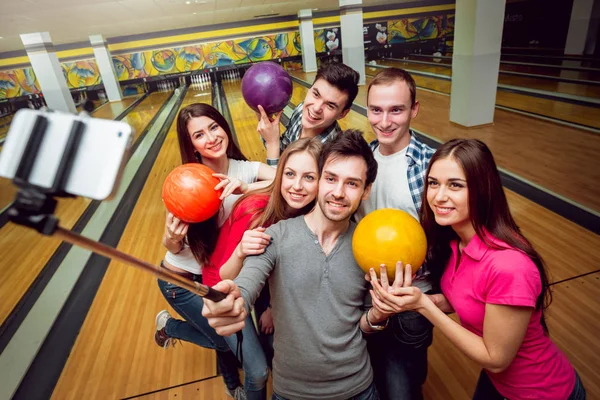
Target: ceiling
71 21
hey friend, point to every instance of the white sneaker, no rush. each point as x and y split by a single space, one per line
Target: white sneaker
238 393
160 336
161 319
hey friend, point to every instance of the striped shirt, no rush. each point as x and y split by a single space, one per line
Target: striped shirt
294 131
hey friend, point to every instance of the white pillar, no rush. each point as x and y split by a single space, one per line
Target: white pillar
106 68
353 48
307 38
48 71
578 27
476 61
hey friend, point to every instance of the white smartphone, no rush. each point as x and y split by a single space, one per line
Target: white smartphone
97 164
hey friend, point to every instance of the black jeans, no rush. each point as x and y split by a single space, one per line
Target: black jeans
399 356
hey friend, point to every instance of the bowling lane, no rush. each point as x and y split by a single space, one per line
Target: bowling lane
521 81
113 109
563 244
24 251
245 122
536 150
535 68
114 356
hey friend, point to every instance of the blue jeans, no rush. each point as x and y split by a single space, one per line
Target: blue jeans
399 356
485 389
369 393
260 306
256 371
195 329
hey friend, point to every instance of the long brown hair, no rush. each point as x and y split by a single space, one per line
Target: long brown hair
202 236
188 152
274 211
488 211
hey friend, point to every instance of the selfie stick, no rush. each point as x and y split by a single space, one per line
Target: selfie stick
34 207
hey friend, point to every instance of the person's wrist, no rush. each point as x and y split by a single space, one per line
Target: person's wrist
376 317
375 324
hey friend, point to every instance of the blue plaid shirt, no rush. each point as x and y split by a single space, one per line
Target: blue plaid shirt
294 130
419 155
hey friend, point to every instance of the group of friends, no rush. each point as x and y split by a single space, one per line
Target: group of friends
282 245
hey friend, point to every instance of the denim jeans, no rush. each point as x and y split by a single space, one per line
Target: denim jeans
195 329
485 389
260 306
399 356
369 393
256 371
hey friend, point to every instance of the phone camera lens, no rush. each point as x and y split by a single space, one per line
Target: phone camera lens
119 134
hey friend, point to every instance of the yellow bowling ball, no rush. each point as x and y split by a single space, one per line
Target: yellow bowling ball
387 236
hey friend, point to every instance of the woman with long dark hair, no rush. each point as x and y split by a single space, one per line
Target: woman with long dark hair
490 275
204 137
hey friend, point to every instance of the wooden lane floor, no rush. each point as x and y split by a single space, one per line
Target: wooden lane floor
115 355
25 252
245 122
513 80
539 151
534 68
569 251
574 113
567 248
573 321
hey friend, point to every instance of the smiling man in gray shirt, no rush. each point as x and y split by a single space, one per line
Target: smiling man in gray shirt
319 295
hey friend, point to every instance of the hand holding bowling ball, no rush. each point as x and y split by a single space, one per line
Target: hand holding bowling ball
189 193
268 128
267 84
387 236
230 185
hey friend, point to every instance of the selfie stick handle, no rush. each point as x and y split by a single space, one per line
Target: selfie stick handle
34 207
162 273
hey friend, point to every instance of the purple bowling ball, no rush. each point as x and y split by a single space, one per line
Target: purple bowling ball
267 84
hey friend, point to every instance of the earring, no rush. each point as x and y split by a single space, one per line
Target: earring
197 155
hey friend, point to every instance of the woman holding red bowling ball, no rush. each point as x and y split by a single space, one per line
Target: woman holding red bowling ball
205 137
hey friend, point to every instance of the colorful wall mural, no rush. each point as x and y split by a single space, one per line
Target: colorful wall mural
328 39
190 58
84 73
18 82
420 28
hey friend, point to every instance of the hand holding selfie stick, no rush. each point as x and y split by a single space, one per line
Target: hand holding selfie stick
34 207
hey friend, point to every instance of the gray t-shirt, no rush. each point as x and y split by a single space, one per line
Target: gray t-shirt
317 302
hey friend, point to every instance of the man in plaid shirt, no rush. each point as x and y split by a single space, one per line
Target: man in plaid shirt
327 101
399 353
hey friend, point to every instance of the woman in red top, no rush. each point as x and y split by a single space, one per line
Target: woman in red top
490 275
292 193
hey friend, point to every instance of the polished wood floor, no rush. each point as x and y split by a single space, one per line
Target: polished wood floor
577 114
24 251
539 151
115 355
577 89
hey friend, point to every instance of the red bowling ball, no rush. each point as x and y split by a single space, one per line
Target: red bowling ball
189 193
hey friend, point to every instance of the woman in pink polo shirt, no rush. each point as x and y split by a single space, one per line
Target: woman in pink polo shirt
490 275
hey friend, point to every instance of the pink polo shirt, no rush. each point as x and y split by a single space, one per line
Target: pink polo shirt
508 277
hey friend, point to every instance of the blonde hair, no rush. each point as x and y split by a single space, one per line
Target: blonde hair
274 211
